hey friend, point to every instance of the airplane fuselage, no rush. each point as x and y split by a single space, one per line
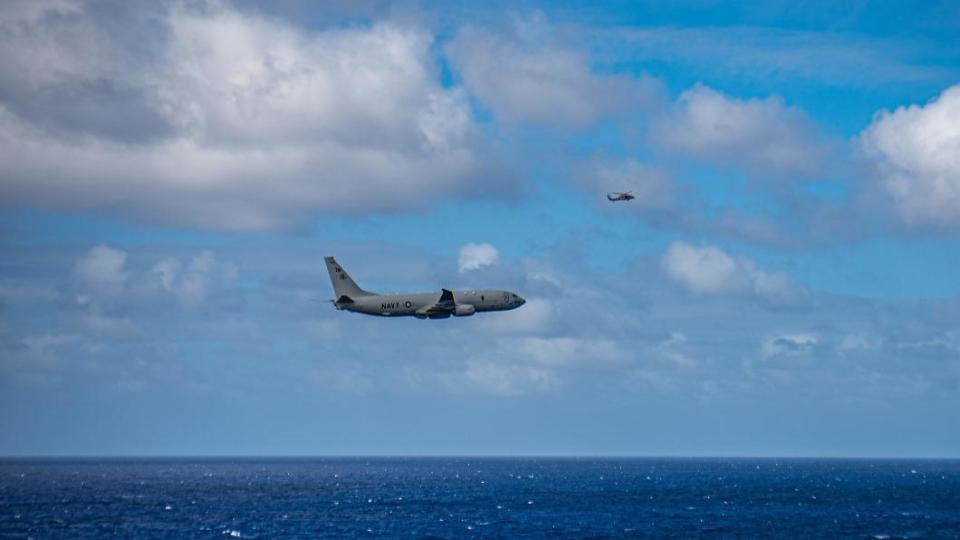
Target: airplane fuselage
430 305
419 304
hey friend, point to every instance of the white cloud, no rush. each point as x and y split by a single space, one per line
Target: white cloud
102 281
46 344
230 120
509 379
476 256
513 366
203 269
790 344
105 280
167 271
543 272
524 77
916 153
103 269
564 352
710 270
535 317
112 327
194 284
702 269
760 135
858 341
672 350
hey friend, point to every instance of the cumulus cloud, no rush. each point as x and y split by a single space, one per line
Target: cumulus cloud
476 256
711 270
44 344
562 352
530 365
103 268
101 283
193 284
104 281
672 350
915 153
790 344
762 136
536 317
857 342
509 379
228 120
523 76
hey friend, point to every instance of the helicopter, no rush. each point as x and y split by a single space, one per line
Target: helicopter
618 196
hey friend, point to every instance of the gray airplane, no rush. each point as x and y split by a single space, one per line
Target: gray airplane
618 196
420 305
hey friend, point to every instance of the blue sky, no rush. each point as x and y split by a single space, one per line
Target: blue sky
171 175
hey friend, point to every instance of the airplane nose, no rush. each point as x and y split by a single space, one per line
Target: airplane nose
521 300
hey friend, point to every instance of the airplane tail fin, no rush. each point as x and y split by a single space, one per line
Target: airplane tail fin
343 285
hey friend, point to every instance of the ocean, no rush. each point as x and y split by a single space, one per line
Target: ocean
479 497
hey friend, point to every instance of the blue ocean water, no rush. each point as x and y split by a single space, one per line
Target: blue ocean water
479 497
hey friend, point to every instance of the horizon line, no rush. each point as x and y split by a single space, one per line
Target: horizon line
467 456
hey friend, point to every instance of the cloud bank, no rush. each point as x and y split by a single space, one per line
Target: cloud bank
228 120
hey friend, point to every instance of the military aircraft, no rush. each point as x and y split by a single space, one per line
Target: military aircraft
420 305
617 196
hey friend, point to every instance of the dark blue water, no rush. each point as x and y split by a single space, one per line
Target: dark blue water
467 497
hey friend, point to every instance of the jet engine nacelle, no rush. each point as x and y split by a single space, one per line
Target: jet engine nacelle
464 310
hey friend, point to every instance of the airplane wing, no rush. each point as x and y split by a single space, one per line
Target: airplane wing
446 298
443 307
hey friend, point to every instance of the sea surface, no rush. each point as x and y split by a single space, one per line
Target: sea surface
479 497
